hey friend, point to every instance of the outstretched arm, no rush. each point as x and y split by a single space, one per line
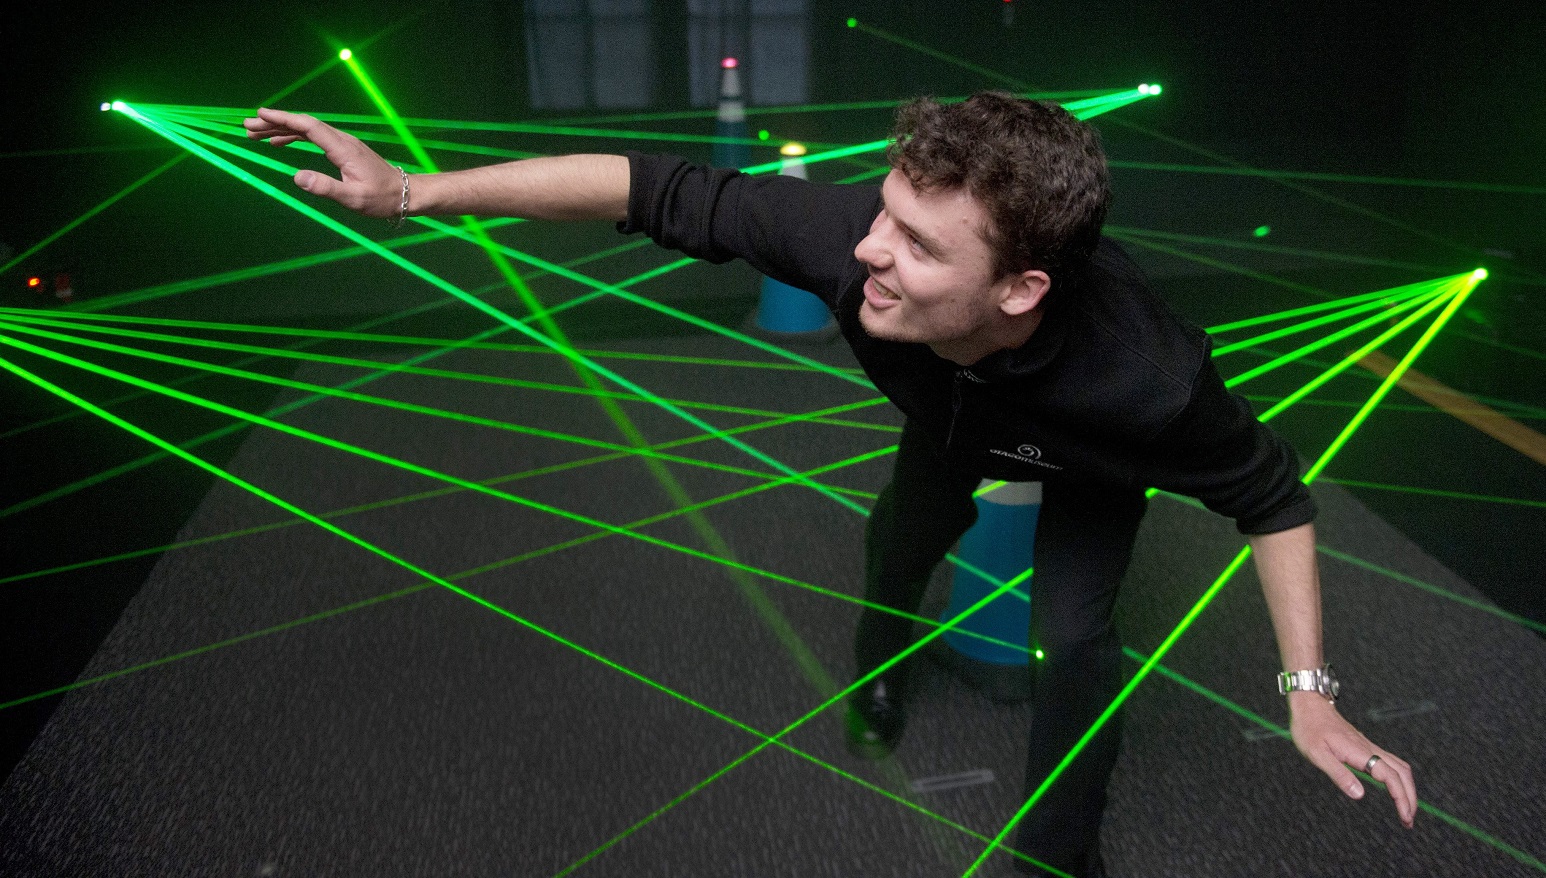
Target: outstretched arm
1286 564
574 187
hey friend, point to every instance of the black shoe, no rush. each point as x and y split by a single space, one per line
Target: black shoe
875 719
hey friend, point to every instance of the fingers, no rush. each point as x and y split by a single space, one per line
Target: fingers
276 125
1396 775
1337 770
1335 747
1388 769
282 128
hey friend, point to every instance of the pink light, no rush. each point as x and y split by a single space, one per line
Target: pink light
728 63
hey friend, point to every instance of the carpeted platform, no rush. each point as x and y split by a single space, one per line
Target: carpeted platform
301 706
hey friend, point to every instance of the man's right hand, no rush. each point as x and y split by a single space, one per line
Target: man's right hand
366 183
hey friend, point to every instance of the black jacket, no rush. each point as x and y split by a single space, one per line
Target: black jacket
1112 390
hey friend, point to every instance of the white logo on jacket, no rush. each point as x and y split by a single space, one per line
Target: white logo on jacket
1026 453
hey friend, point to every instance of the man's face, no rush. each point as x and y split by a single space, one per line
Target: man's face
931 273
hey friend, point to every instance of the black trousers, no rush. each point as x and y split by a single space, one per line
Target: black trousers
1084 541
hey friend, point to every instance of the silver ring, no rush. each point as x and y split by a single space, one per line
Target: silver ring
1368 767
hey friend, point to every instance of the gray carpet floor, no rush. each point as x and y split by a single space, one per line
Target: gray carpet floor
283 702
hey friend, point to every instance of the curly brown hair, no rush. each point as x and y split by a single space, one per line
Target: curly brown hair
1038 171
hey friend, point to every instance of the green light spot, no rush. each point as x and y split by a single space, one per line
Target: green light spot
763 134
1154 88
1040 655
345 55
1262 231
106 106
853 22
1479 274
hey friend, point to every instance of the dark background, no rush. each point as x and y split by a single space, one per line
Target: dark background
1427 90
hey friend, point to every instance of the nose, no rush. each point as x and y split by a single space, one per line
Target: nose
872 249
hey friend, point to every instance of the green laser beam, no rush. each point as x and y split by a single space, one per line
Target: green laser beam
236 130
439 492
1484 606
1436 492
1415 408
1390 304
1348 361
1334 337
1391 294
103 205
352 119
756 111
383 402
412 340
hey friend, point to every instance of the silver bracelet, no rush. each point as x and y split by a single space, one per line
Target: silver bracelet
402 210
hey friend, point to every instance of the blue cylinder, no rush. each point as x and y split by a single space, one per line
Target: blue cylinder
1002 544
787 309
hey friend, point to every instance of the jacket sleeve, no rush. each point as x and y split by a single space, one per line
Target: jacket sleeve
794 231
1217 451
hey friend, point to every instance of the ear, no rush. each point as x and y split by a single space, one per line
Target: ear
1024 291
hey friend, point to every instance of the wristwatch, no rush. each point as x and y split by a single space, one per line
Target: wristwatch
1320 680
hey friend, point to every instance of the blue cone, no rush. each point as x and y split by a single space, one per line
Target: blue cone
1002 544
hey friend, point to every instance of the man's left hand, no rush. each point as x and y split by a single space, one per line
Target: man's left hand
1333 745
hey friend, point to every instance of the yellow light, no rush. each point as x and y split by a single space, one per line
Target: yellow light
792 149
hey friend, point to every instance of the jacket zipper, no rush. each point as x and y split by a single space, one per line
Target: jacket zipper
956 394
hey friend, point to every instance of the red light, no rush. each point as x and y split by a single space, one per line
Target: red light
34 282
728 63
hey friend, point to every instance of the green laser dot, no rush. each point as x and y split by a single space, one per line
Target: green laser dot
1262 231
763 134
345 55
106 105
1479 274
853 22
1040 655
1154 88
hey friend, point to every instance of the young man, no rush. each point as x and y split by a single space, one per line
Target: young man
977 294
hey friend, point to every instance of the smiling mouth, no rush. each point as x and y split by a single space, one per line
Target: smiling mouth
882 292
